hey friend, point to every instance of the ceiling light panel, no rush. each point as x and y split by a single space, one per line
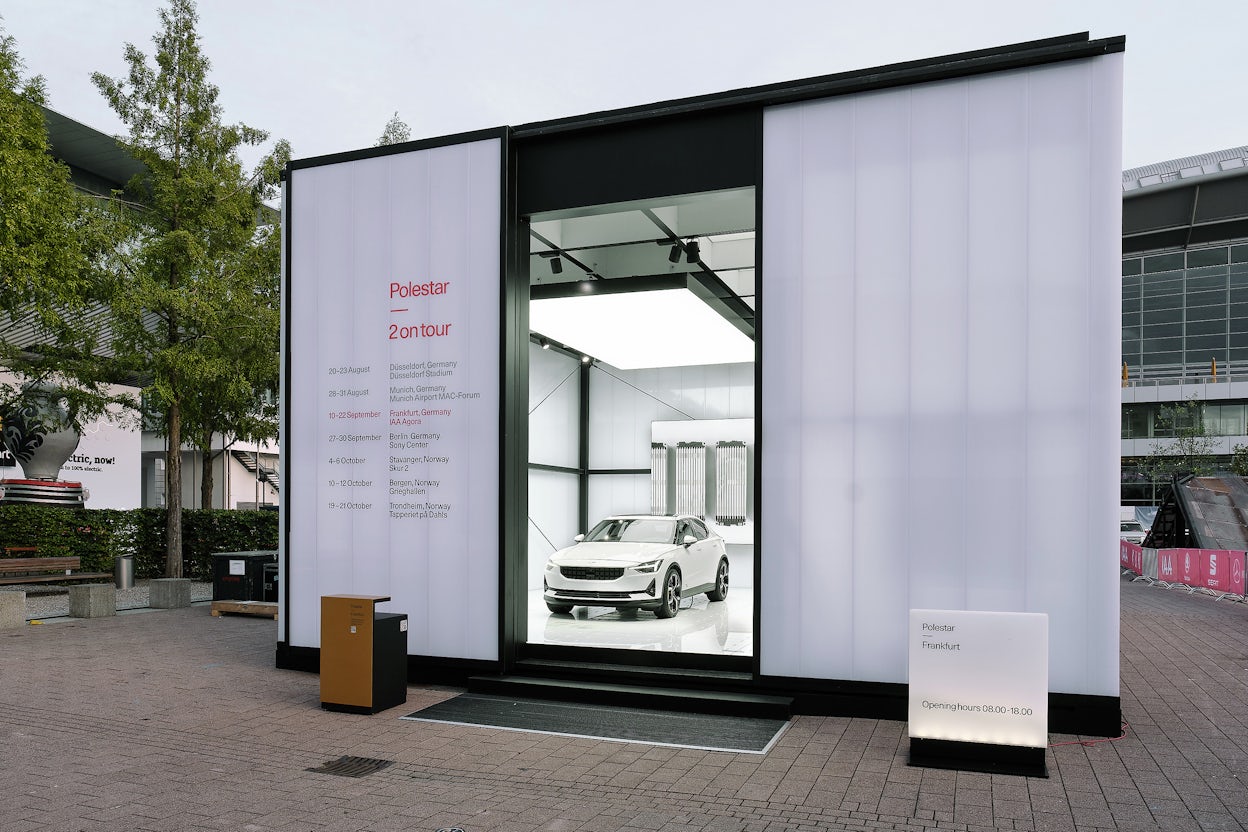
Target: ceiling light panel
635 330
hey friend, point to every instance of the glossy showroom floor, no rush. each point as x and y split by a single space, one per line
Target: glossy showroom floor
722 628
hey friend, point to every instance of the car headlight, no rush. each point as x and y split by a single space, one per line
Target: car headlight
550 566
649 566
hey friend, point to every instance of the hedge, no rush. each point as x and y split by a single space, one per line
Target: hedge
98 536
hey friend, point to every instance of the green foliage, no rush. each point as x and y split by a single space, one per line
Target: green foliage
396 131
194 297
37 238
1189 453
98 536
1239 460
50 240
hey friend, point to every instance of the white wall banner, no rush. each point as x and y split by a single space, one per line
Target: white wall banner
941 343
393 443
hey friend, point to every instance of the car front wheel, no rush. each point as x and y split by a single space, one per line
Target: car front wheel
558 607
720 592
671 594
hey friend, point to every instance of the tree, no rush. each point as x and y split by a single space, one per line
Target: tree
185 280
230 400
49 238
1239 460
1190 452
396 131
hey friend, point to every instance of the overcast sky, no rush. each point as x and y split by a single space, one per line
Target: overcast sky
328 74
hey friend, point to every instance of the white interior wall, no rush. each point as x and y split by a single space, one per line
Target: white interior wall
624 403
554 401
554 437
552 518
940 354
618 494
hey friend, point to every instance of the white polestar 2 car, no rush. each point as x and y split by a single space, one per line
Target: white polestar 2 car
638 561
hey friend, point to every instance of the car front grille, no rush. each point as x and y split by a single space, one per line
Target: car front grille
591 573
602 596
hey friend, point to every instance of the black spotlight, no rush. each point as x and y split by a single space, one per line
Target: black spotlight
556 265
691 251
544 343
674 255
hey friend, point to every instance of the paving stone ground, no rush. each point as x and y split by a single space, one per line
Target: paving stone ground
173 721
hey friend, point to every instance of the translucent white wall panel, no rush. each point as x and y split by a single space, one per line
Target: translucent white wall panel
416 520
617 494
554 402
938 329
553 497
741 564
1104 403
996 352
940 332
623 404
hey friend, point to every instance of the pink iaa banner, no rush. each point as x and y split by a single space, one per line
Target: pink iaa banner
1131 556
1218 569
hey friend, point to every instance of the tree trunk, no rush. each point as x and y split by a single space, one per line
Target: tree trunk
205 477
173 495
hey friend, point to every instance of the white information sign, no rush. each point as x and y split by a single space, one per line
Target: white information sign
979 677
238 567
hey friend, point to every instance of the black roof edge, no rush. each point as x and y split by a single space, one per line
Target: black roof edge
391 149
962 64
1013 56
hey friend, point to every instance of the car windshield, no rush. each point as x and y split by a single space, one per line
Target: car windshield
633 530
1132 526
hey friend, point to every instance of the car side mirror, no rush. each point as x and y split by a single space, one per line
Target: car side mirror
578 538
689 539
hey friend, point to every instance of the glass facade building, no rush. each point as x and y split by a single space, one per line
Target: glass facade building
1183 311
1184 314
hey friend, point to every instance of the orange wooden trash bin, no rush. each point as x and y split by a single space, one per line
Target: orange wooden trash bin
363 655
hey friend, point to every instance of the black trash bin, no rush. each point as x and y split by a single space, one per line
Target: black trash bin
270 583
239 576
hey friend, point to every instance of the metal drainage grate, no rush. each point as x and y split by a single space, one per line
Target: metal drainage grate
352 766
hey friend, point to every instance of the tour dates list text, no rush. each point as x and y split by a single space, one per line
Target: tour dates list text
423 420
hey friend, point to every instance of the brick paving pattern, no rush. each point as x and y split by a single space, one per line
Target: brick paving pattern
174 720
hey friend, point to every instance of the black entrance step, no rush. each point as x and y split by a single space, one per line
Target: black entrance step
596 671
636 695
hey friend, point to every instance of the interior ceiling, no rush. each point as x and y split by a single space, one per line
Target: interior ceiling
635 239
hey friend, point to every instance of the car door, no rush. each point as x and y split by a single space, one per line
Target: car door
702 556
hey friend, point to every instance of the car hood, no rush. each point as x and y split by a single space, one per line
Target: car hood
611 554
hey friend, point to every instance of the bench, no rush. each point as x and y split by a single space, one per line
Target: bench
44 570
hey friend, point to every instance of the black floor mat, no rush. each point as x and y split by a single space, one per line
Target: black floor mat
575 719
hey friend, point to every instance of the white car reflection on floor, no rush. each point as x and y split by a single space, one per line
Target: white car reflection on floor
702 627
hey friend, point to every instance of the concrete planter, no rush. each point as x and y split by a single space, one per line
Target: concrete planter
12 610
92 600
169 593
